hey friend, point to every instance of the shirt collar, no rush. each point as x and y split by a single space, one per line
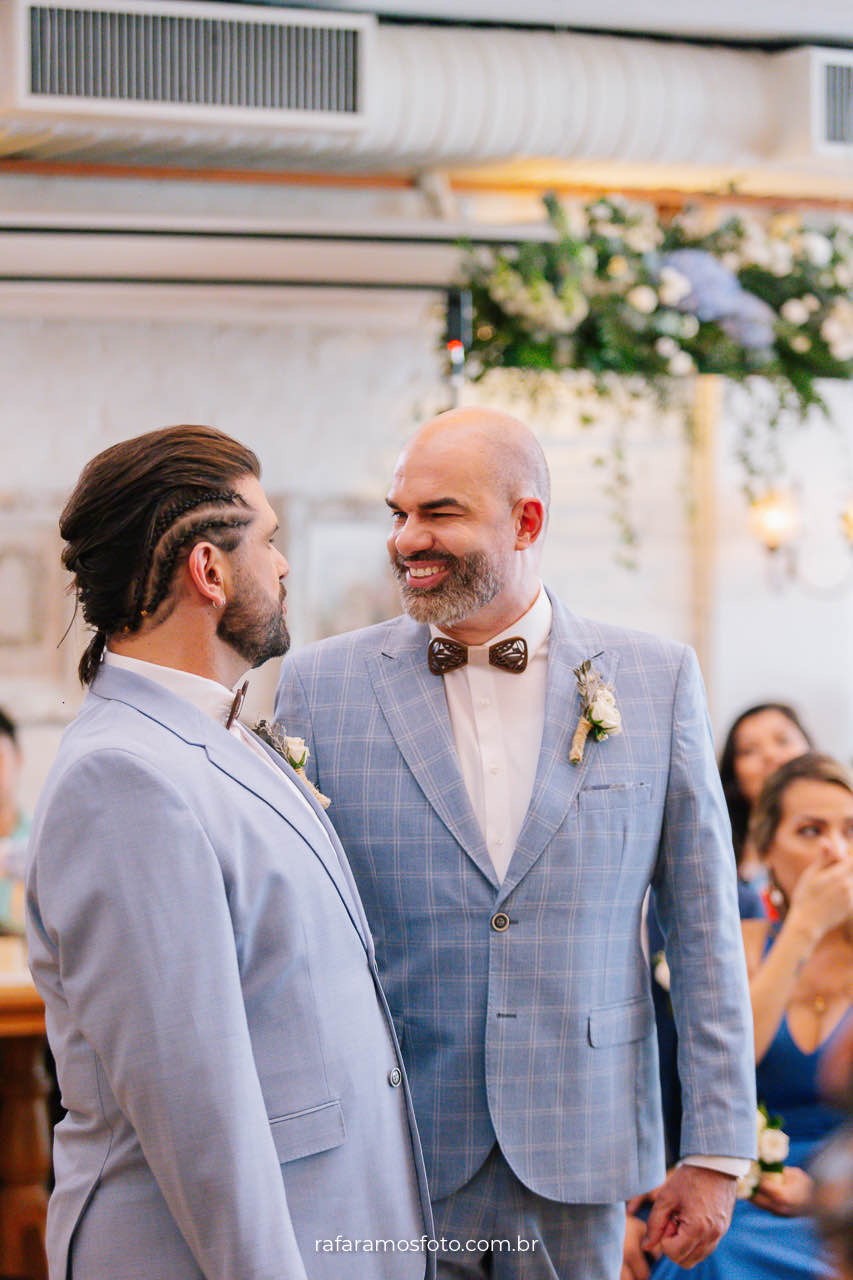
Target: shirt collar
209 696
534 627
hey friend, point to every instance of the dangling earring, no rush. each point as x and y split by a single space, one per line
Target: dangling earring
776 895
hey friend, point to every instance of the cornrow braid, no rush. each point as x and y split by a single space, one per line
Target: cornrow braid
215 528
161 523
130 517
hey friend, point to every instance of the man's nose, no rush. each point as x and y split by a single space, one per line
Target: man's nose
283 566
412 536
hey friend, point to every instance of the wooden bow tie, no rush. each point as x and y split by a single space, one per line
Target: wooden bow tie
237 704
446 655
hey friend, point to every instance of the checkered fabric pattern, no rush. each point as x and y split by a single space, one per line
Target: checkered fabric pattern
541 1035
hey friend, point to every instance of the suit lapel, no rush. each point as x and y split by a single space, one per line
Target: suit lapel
557 781
226 752
354 904
413 702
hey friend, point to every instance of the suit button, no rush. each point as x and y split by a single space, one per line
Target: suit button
395 1077
500 922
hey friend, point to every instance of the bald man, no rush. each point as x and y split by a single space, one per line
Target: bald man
503 857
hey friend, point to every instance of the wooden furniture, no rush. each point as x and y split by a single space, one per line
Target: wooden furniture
24 1128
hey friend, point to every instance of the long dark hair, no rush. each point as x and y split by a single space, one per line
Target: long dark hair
737 802
137 508
768 807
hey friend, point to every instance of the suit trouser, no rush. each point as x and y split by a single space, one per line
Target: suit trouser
495 1226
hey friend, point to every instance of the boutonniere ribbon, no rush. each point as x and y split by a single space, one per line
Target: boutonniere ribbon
600 715
294 751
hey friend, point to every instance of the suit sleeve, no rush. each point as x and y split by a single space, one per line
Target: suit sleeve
695 886
131 909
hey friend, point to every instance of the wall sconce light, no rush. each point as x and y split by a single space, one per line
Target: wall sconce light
775 520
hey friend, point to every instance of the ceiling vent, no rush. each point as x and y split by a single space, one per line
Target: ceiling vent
814 92
195 65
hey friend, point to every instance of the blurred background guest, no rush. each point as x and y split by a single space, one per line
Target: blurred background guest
14 830
760 740
801 984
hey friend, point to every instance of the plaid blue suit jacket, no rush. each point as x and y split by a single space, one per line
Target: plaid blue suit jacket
541 1036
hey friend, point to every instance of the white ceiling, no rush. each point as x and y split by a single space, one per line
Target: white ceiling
784 21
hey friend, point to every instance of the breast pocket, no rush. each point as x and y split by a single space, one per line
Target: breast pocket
307 1132
614 795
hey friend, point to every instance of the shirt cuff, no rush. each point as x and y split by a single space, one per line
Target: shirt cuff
734 1166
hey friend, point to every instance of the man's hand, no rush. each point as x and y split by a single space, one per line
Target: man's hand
692 1210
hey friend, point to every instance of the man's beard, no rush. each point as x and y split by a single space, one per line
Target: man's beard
473 581
254 625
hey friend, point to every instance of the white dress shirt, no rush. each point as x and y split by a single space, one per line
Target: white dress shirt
497 718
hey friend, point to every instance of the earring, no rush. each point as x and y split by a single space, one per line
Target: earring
776 895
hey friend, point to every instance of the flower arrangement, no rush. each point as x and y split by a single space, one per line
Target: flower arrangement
625 294
773 1147
618 290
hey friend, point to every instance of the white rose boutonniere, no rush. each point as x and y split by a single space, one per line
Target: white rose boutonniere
600 715
294 751
773 1148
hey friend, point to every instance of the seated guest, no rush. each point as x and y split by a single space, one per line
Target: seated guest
14 830
801 982
761 739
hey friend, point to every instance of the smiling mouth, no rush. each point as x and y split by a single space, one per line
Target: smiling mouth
425 575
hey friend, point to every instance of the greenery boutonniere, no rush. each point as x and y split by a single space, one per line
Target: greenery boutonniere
294 751
599 713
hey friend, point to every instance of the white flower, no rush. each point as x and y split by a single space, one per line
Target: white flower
773 1146
643 238
801 343
795 311
689 326
837 329
643 298
681 364
297 752
810 301
666 347
662 975
604 713
749 1181
817 248
673 287
843 276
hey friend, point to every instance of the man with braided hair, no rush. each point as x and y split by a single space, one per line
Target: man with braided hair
237 1109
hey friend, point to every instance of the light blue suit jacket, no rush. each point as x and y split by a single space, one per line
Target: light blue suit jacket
223 1047
541 1036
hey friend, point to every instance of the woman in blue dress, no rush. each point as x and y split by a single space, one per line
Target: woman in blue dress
801 983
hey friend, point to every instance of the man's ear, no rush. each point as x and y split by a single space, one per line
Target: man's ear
209 573
529 517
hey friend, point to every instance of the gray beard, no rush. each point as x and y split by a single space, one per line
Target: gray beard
473 582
